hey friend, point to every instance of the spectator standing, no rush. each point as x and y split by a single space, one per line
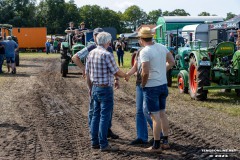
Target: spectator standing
2 53
120 51
48 46
100 70
55 45
10 48
78 59
155 60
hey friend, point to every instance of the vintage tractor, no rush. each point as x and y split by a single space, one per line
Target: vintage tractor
6 30
68 50
217 65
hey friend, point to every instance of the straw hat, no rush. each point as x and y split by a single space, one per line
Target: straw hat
145 32
82 23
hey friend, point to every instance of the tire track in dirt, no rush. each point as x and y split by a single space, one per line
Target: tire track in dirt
61 117
53 122
24 144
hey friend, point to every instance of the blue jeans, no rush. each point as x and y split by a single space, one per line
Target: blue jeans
10 60
103 106
47 50
141 120
155 97
120 57
90 113
1 61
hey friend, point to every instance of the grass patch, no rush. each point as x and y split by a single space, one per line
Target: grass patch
127 58
224 102
38 55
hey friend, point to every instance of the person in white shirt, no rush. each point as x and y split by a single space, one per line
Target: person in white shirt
155 60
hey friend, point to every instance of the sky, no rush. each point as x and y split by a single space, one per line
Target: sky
193 7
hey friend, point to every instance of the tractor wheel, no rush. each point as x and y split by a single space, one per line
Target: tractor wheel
238 92
199 76
181 85
133 58
17 59
64 67
169 78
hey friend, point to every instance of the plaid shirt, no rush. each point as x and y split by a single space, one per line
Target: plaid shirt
101 66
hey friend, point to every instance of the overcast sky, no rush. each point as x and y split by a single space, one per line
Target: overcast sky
194 7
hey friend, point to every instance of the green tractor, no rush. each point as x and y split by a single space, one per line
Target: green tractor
67 50
199 67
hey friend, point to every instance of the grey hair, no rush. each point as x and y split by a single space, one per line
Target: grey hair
9 38
103 38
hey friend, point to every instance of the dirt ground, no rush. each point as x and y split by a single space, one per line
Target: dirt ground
44 117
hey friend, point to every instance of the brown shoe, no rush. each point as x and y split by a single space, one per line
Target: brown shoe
110 148
165 146
153 150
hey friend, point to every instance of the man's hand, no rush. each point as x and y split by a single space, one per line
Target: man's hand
90 93
127 77
116 84
83 74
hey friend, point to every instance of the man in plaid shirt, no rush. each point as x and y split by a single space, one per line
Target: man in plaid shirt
100 71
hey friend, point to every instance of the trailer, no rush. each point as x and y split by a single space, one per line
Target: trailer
222 30
168 23
196 32
31 38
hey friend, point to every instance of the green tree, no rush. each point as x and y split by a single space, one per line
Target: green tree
133 17
18 13
204 14
71 14
230 15
167 13
112 20
56 14
91 15
153 16
176 12
179 12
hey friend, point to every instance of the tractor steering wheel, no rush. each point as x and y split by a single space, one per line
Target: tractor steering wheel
214 42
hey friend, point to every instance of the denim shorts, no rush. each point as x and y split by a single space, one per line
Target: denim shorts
10 59
155 97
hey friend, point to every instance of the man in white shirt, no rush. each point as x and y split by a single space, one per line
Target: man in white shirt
156 60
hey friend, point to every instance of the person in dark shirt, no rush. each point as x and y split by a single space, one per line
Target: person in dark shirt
70 31
77 38
2 53
82 29
119 46
231 38
10 47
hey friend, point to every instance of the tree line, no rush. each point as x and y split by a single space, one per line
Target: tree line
56 14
